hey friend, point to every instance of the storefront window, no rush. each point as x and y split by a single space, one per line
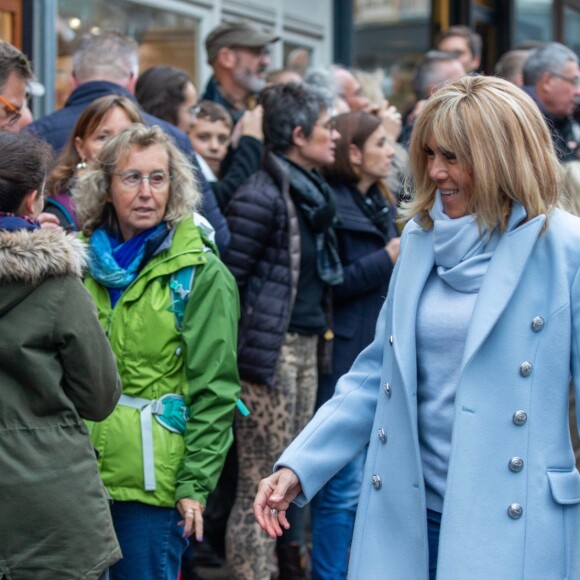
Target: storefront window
389 38
164 37
533 20
572 29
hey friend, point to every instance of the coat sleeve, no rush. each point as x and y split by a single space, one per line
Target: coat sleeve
90 369
342 426
210 339
251 216
370 271
246 160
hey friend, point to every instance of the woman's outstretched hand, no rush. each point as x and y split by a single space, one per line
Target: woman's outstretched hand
275 493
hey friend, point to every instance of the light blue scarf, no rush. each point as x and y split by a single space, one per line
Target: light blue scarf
462 250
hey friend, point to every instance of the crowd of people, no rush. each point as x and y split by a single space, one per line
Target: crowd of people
293 293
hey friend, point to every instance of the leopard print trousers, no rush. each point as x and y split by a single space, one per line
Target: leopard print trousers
277 416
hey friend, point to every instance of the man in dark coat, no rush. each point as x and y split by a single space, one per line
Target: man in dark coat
551 78
107 64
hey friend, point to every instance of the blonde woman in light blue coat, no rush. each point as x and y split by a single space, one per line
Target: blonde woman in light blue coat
463 396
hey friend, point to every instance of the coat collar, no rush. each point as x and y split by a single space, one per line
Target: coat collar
501 280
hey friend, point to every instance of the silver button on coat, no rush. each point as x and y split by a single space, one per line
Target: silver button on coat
376 481
382 435
515 511
537 323
516 464
388 389
520 417
391 340
526 369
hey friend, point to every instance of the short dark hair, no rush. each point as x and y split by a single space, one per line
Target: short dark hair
13 61
473 38
286 107
160 90
213 112
24 160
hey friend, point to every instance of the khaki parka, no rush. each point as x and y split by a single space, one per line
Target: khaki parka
155 359
56 369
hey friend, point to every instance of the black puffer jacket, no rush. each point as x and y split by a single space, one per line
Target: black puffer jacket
264 256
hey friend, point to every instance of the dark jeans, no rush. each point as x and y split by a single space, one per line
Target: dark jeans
433 529
150 539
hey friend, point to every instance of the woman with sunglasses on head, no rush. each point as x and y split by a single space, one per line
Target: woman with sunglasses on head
368 244
56 371
462 398
170 309
101 120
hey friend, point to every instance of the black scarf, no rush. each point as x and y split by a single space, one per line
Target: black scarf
374 206
314 197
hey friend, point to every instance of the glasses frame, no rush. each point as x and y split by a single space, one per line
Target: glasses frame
136 187
14 114
572 81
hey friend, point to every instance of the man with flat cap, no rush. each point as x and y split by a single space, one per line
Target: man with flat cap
238 53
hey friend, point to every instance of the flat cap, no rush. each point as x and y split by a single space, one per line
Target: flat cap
239 33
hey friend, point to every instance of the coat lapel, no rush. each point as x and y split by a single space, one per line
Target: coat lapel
416 264
500 282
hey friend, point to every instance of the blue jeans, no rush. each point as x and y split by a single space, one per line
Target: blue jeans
333 512
433 529
150 540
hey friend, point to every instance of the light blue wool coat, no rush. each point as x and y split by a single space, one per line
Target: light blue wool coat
530 275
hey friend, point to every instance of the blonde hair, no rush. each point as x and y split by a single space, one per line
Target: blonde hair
499 134
91 192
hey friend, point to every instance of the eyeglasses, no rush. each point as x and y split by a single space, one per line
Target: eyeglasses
257 51
133 179
14 115
572 80
329 125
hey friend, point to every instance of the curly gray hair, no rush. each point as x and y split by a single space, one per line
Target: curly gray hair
91 192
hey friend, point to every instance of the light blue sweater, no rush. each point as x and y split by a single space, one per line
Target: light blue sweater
442 321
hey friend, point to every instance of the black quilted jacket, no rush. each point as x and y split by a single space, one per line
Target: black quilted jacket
264 256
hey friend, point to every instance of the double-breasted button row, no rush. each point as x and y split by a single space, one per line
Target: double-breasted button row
537 323
388 390
516 464
376 481
382 436
515 511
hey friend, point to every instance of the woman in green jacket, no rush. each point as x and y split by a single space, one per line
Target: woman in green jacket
170 309
56 369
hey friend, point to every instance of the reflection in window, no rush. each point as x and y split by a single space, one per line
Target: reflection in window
164 37
533 20
572 29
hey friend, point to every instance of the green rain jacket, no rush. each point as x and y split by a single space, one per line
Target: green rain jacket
155 359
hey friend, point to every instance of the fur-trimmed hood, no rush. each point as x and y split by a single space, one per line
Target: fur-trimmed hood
29 257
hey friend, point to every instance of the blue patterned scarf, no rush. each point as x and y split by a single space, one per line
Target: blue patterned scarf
115 264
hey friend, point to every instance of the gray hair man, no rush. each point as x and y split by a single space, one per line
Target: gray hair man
552 79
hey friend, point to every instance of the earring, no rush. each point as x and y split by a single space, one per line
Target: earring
82 164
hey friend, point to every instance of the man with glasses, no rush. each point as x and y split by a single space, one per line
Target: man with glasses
238 54
15 72
552 79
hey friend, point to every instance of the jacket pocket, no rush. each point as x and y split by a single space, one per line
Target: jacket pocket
565 486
